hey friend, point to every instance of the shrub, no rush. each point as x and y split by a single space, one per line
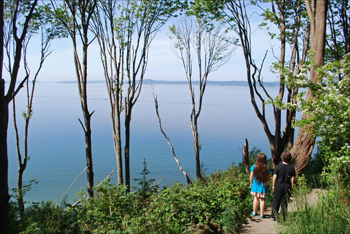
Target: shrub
218 205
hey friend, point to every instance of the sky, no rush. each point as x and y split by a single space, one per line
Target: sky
163 63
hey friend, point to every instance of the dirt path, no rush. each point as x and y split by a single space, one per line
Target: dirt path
266 225
259 225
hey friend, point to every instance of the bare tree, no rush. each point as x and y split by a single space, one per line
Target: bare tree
76 16
246 157
19 35
129 32
188 180
213 49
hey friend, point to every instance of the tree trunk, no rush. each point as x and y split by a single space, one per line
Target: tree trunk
276 159
246 156
118 145
87 119
279 146
116 112
127 147
89 171
167 139
304 143
20 191
4 190
197 149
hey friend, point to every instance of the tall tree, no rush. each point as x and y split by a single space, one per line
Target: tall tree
76 17
27 115
294 30
19 32
281 13
43 24
304 144
112 48
125 30
206 40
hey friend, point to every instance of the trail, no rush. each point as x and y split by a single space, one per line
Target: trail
266 225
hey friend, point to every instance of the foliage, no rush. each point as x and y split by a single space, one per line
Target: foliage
42 20
217 206
314 169
290 13
146 186
329 116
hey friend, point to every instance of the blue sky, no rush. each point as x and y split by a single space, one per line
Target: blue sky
163 63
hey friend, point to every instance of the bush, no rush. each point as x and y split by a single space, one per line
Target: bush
218 205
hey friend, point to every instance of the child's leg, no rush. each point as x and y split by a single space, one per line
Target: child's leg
255 204
279 192
262 206
284 203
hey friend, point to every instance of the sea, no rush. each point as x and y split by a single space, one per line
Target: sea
56 145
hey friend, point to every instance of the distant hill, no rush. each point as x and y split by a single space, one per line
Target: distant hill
222 83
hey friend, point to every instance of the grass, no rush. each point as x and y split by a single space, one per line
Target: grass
329 215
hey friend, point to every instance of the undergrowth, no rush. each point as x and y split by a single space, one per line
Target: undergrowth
329 215
218 205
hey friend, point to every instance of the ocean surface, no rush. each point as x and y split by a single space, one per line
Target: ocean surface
57 147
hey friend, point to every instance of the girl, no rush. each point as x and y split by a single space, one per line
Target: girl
260 178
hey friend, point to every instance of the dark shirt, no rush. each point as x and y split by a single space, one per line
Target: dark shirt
284 173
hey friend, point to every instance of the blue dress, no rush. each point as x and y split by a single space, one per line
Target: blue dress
259 187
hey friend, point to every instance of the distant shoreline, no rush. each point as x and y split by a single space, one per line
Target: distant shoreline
149 81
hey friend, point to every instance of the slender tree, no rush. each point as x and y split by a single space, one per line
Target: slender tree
206 40
19 32
112 48
188 180
42 24
76 17
125 30
27 115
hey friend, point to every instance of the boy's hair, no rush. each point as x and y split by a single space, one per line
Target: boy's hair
286 157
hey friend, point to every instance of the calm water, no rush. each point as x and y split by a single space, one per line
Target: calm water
57 147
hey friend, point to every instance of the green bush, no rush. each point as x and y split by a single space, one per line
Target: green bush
218 205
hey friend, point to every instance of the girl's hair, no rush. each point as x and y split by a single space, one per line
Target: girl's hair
261 169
